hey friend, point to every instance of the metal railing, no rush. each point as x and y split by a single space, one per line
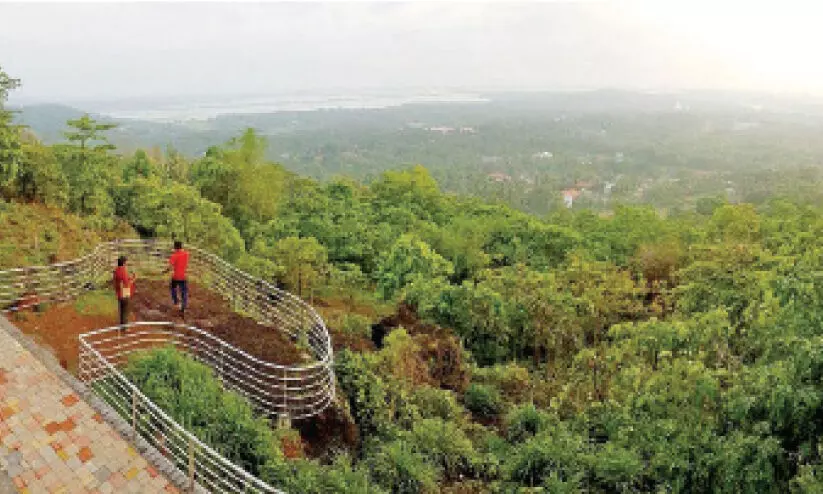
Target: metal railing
292 391
272 389
206 469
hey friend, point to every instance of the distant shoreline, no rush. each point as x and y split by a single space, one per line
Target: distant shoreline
209 109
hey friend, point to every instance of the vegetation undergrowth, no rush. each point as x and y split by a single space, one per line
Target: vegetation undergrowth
96 303
190 393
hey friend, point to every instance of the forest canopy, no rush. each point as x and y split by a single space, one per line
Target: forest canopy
626 351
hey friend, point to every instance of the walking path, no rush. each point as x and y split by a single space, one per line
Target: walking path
53 441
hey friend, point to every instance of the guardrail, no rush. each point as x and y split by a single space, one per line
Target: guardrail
276 390
295 392
207 470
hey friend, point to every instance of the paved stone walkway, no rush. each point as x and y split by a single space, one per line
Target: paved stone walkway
52 441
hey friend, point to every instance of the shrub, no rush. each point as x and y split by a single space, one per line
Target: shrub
400 357
526 421
357 325
512 379
809 480
367 394
554 457
483 400
188 391
437 403
398 468
445 446
307 477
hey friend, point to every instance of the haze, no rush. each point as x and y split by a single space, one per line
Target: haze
83 52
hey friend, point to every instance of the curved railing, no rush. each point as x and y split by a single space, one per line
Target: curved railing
275 390
101 353
295 392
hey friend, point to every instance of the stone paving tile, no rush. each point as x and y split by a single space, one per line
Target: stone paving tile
53 441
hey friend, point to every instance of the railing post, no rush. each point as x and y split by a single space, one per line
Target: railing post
283 416
162 441
220 366
191 464
134 413
81 364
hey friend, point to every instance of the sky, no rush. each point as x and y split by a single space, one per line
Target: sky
67 52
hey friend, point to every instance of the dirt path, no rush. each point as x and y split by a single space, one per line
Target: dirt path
59 325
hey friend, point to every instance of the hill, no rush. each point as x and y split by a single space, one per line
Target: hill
526 149
47 121
572 351
34 235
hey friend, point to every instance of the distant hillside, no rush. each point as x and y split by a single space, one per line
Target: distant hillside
48 121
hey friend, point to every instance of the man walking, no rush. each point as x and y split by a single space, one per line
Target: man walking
178 263
124 288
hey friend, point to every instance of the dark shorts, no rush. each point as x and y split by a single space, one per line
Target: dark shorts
123 305
183 287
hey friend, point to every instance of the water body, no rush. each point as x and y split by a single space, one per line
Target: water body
208 108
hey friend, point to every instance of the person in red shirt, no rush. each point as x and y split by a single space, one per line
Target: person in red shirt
178 263
123 288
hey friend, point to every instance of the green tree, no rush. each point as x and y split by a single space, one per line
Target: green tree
10 146
237 177
140 165
409 259
178 211
736 222
88 165
40 177
303 262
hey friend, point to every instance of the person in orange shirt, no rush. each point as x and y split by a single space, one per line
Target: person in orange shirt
123 288
178 263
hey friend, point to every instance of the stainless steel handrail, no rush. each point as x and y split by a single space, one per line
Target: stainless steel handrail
206 469
23 288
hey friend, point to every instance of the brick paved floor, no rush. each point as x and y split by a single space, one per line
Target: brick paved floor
6 485
52 441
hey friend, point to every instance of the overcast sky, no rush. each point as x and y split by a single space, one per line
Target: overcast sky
74 52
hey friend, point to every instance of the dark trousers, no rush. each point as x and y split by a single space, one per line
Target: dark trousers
184 292
123 305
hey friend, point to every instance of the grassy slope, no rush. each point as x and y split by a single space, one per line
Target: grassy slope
32 234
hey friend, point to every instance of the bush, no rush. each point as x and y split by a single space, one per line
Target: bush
809 480
307 477
356 325
437 403
398 468
493 450
445 446
554 457
526 421
367 394
188 391
512 379
483 400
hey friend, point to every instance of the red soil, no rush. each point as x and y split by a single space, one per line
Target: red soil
59 325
